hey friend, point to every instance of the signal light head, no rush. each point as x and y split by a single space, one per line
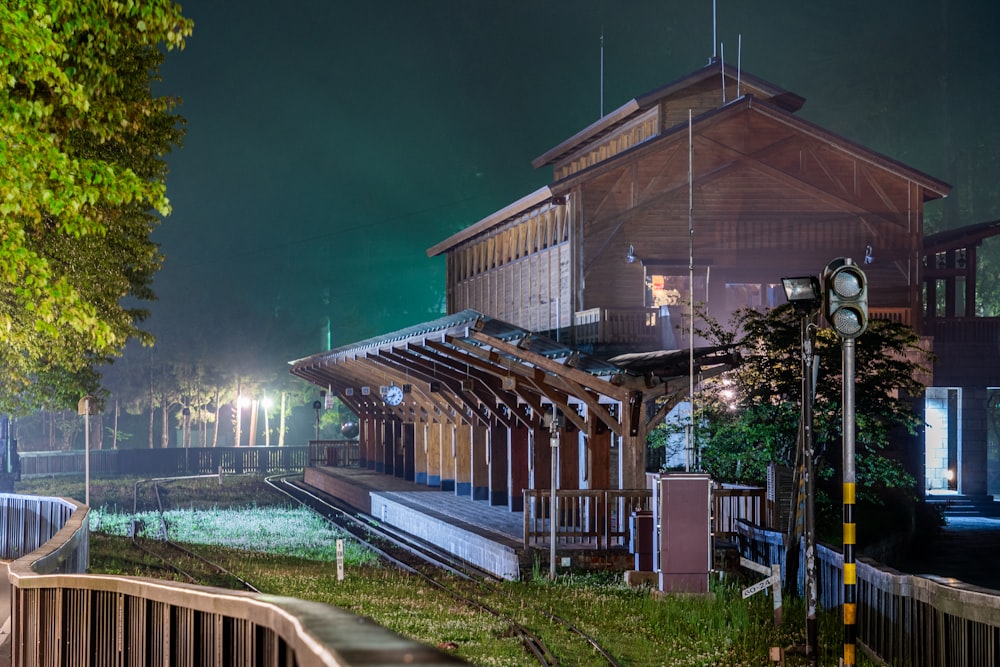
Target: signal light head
845 295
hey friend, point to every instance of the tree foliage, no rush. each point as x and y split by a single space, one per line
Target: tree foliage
750 417
81 179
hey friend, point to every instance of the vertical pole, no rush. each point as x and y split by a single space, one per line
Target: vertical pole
86 453
691 460
850 525
553 489
812 643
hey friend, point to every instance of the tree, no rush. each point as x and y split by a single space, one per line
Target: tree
81 175
749 417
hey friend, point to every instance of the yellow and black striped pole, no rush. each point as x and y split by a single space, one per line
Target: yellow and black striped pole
850 520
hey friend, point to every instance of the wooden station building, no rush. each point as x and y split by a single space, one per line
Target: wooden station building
575 296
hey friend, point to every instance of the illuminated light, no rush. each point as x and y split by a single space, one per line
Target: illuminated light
949 475
846 297
803 292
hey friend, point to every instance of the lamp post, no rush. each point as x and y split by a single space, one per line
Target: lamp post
554 427
317 406
86 407
805 296
845 291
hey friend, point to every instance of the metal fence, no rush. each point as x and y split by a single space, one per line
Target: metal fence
170 461
62 617
903 619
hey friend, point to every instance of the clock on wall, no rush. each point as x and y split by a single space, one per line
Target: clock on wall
393 394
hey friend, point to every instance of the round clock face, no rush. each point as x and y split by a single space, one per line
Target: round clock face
394 395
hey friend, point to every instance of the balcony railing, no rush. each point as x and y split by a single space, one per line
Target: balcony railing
610 326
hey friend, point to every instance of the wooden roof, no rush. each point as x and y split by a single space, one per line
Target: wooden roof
778 108
933 187
747 85
962 237
469 366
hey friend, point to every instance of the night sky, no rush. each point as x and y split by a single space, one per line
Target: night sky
329 144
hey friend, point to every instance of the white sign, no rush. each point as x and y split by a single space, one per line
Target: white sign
340 560
761 585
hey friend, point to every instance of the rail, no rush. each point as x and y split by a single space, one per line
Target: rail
598 518
61 616
639 326
921 621
601 518
169 461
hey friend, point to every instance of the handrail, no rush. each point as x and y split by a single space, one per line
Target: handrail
61 616
921 621
600 517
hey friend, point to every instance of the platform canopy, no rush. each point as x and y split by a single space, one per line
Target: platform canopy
469 366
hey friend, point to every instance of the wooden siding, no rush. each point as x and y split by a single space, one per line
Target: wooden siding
631 134
768 201
519 273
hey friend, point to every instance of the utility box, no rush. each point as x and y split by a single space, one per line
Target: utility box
682 505
642 539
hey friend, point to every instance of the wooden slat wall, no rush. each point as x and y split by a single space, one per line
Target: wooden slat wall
519 273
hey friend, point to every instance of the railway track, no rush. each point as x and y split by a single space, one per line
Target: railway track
427 562
178 558
423 560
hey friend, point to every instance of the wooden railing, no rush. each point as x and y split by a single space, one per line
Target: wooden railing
897 315
602 518
339 453
611 326
61 616
170 461
903 619
732 504
594 518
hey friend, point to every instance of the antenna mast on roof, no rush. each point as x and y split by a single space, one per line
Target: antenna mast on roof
715 39
739 63
722 68
602 72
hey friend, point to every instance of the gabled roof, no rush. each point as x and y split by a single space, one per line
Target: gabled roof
961 237
526 203
933 187
748 84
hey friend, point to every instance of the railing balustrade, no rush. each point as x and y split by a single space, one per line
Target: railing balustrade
61 616
637 326
336 453
601 518
169 461
919 621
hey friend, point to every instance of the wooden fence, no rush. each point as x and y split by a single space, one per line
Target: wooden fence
602 518
336 453
63 617
903 619
170 461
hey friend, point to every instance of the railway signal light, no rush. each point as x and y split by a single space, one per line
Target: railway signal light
845 297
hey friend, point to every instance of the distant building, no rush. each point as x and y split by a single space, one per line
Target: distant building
710 186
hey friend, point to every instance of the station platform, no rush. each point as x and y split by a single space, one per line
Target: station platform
487 536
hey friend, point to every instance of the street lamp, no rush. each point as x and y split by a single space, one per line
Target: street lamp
804 294
86 407
317 406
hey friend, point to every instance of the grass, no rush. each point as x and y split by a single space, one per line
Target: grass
248 528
